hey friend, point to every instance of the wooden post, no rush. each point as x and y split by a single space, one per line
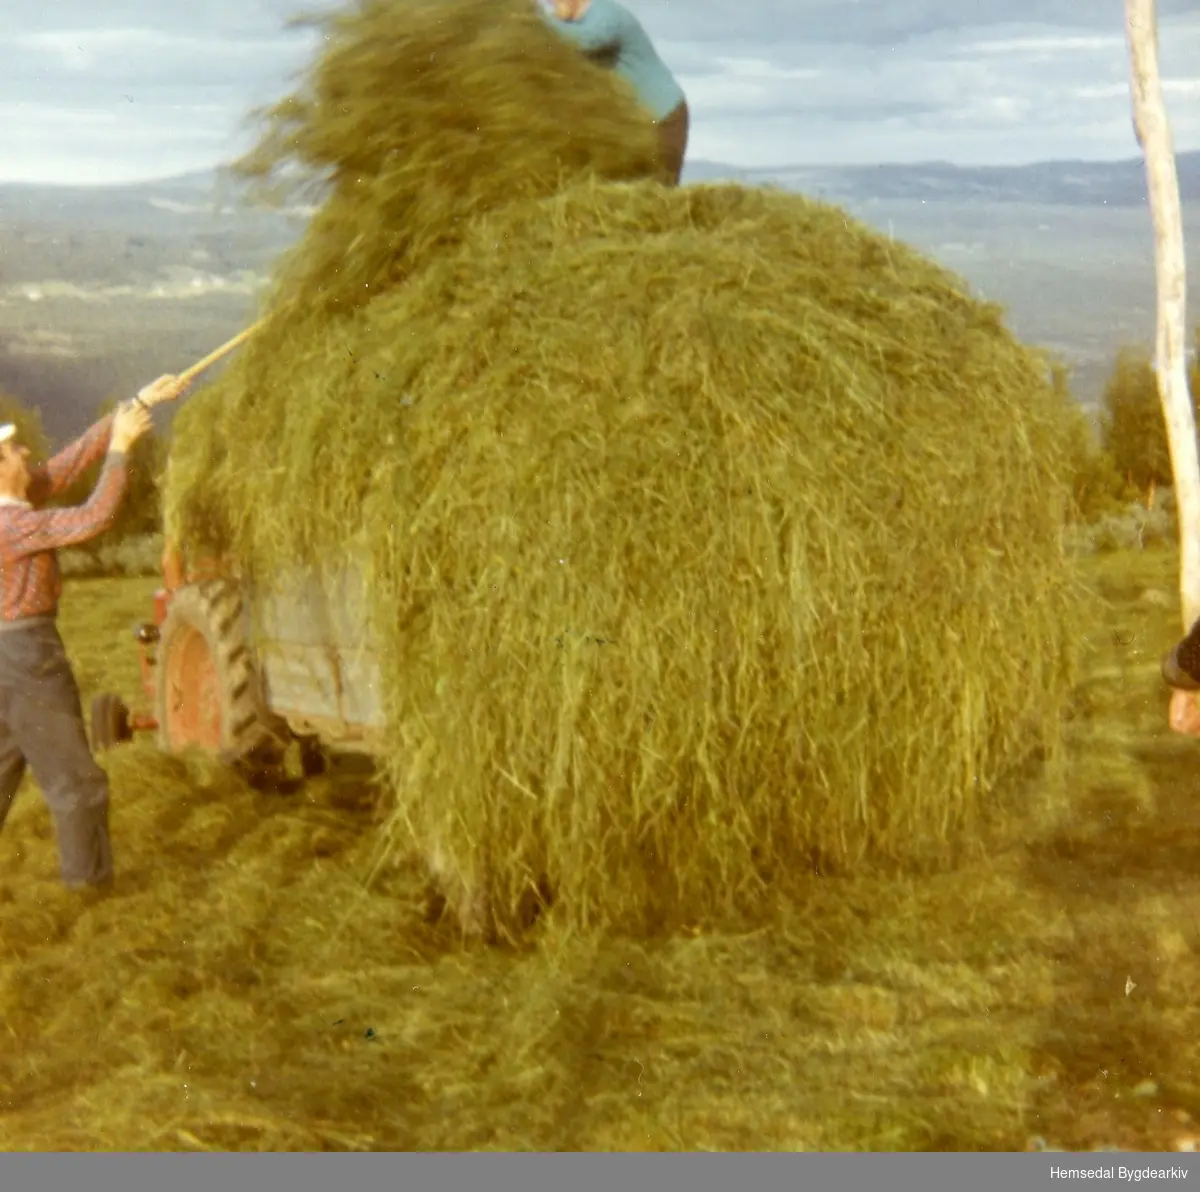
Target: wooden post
1154 135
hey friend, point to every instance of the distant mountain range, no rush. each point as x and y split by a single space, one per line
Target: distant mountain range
197 203
1051 183
102 287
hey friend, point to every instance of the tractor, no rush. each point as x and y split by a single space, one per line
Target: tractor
303 683
256 678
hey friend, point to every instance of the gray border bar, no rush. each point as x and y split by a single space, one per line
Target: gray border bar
592 1173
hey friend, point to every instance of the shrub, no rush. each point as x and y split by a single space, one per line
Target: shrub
1133 430
133 555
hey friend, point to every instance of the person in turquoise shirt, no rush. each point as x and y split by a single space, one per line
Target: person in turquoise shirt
610 34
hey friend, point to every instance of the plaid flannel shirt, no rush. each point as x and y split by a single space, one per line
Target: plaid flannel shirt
30 581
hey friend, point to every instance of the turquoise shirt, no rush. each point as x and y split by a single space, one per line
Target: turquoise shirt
609 33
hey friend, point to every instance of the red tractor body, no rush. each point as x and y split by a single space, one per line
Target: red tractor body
244 675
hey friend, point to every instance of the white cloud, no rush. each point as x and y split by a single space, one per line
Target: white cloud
1103 91
32 119
730 94
65 168
1007 109
1049 44
84 49
136 88
111 144
66 42
1121 90
763 70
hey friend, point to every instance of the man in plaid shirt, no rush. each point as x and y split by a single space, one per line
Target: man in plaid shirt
41 714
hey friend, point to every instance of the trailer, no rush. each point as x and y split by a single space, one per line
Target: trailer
245 675
248 676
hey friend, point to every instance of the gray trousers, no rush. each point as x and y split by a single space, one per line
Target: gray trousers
41 725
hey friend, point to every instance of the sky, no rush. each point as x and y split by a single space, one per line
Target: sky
128 90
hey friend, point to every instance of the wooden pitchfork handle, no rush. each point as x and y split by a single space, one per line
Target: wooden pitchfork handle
172 560
192 373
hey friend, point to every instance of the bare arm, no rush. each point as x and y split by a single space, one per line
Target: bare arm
596 33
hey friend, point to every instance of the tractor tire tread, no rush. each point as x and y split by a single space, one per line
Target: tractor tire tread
215 607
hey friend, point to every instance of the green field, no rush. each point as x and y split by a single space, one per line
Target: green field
245 990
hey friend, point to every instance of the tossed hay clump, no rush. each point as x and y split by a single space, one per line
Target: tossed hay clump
417 118
705 530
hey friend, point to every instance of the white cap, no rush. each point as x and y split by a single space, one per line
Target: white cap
7 431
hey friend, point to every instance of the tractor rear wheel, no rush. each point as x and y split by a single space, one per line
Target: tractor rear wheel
110 722
209 693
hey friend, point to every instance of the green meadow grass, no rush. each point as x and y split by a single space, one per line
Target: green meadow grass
245 990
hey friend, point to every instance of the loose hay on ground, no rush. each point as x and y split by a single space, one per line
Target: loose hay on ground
221 999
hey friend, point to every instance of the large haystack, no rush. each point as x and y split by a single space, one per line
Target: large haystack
707 531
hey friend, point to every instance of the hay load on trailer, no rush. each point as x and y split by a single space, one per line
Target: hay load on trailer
671 537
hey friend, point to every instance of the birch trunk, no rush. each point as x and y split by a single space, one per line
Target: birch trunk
1154 135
